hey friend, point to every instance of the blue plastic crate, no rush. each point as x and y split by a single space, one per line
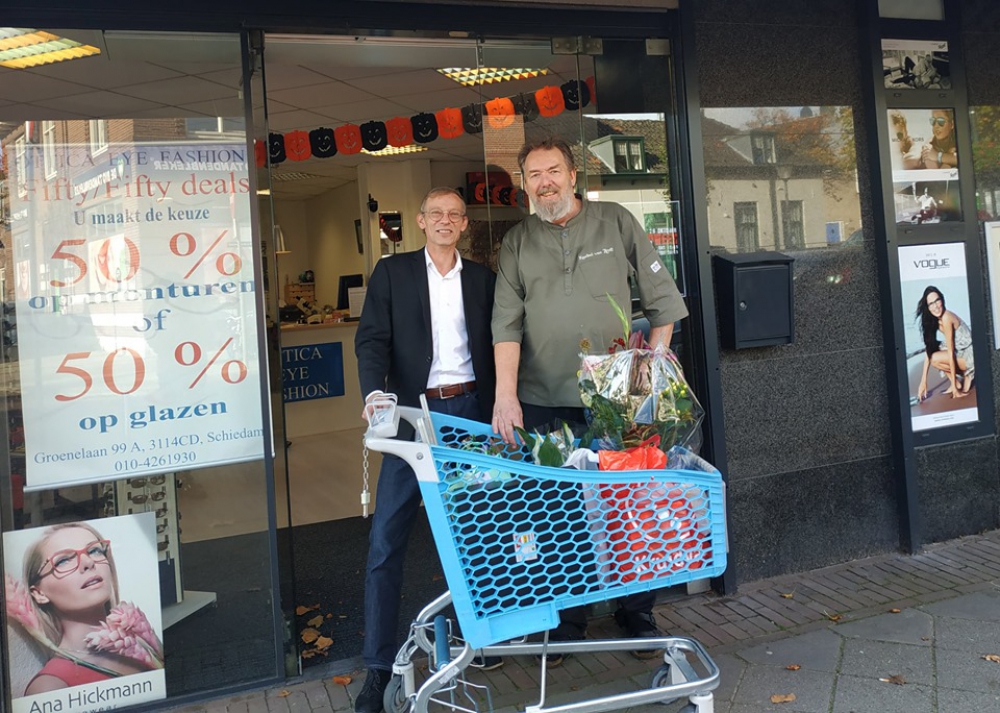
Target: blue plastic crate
521 542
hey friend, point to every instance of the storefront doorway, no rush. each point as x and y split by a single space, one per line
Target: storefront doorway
360 128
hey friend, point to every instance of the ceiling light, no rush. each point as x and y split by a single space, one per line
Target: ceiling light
395 150
475 76
21 48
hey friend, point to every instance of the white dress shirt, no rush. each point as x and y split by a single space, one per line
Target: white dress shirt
452 360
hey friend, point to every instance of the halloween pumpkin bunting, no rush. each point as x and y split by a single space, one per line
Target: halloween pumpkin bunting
426 127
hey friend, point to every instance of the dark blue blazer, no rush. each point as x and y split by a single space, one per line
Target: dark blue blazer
394 342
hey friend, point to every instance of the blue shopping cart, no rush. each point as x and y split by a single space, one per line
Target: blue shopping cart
520 542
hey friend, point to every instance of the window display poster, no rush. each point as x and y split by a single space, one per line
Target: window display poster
940 364
916 64
136 310
924 158
661 227
83 615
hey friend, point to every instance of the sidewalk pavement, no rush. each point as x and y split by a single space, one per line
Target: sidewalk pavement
887 634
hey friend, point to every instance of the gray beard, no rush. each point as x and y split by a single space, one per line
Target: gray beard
551 212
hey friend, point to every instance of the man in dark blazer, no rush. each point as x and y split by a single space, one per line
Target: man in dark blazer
424 329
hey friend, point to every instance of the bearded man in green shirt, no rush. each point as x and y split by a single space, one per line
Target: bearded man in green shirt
556 270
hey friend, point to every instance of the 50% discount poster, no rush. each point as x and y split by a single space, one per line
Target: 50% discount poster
136 310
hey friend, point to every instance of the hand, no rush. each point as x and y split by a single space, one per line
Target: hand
928 157
506 415
371 397
922 391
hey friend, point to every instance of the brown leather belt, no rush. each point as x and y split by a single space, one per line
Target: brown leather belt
451 390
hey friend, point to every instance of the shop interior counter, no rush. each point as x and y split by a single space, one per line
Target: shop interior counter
313 370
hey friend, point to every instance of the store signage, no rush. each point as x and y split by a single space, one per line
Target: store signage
107 567
136 310
312 371
940 360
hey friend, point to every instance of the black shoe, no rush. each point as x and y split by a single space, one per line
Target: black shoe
639 625
563 632
369 700
486 663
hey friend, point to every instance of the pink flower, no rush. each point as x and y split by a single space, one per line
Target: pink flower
19 607
126 631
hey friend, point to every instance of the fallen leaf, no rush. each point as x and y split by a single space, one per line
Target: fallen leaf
833 617
309 635
308 653
342 680
788 596
301 609
792 667
329 616
316 620
782 698
436 578
324 642
284 693
992 657
895 611
925 638
897 679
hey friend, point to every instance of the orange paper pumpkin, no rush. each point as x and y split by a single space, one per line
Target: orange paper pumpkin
400 131
348 139
449 121
550 101
500 112
297 145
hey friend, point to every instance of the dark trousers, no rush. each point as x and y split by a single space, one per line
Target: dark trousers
573 621
397 503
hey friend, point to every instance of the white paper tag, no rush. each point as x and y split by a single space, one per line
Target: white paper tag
655 266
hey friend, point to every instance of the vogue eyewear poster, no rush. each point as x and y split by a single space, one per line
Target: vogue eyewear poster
993 256
83 615
924 165
136 309
940 364
916 64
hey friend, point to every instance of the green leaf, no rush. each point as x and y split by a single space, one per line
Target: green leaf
526 437
548 454
621 315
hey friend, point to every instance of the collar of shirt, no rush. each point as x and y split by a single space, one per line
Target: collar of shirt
432 268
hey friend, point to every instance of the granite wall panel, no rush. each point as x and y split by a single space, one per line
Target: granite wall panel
959 489
789 522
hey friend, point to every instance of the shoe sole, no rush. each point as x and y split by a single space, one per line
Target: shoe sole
645 655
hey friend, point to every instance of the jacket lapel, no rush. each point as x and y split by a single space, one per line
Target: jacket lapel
423 293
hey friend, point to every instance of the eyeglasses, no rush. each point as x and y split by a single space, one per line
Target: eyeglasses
141 482
939 121
934 302
437 216
66 562
140 498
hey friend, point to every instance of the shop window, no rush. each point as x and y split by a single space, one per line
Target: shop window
629 155
98 136
792 226
762 155
214 125
745 217
20 165
49 148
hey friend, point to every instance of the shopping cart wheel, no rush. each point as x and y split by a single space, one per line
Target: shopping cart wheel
661 677
394 699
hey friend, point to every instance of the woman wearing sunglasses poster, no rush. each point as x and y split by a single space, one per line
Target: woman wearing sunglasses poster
64 591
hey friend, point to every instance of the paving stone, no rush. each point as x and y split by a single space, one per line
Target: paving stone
731 671
950 701
968 671
880 659
968 635
812 689
868 695
818 651
908 627
984 606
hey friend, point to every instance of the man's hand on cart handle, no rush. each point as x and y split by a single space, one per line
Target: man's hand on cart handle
368 399
506 415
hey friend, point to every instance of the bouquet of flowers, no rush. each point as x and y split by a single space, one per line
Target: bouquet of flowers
634 393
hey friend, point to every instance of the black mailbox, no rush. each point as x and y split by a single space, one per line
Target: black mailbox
755 299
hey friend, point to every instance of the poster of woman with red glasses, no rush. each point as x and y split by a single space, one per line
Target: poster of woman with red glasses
83 613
